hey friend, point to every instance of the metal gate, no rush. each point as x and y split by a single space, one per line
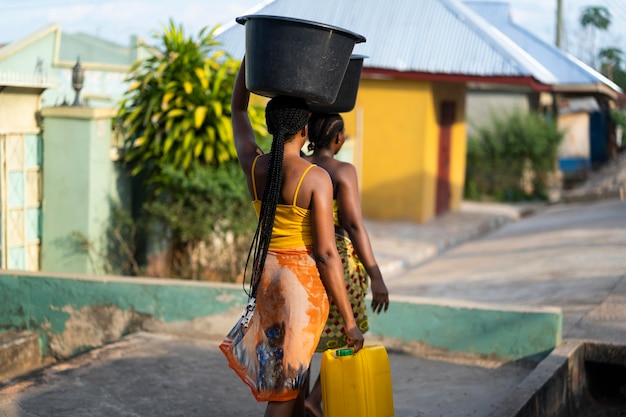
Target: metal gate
20 179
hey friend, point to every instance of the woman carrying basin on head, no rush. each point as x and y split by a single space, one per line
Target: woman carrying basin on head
295 258
326 137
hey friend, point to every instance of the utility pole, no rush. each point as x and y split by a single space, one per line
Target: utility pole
559 22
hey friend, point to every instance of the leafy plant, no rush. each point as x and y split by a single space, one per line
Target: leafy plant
175 119
594 18
207 217
619 118
512 158
176 111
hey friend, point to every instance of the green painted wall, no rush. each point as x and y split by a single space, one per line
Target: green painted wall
75 313
501 332
75 310
79 183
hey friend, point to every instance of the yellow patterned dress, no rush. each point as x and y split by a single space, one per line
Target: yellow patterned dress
357 284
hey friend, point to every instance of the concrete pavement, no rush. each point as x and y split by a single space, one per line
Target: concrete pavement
572 256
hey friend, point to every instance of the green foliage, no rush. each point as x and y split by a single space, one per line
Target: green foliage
208 219
177 108
512 158
175 120
619 118
597 17
592 19
619 77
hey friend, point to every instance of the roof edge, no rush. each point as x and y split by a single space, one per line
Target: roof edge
22 43
595 73
252 10
528 81
597 88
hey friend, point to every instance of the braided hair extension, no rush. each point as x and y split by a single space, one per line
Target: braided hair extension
323 128
285 116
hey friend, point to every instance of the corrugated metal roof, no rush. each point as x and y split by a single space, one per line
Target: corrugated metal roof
432 36
568 69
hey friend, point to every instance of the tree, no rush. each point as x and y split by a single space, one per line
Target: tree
176 122
594 18
610 60
177 108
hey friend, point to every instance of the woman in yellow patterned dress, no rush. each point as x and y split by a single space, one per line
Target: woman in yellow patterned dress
326 137
295 262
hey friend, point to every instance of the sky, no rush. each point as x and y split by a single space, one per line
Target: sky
118 20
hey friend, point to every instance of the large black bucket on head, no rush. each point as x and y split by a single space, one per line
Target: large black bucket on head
294 57
346 98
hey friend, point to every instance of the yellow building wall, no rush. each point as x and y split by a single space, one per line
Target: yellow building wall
396 133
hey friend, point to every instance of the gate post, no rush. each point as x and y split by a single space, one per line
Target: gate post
78 188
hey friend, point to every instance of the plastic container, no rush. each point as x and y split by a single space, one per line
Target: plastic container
301 58
346 98
356 384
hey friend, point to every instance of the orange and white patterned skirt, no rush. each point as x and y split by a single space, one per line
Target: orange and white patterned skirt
274 355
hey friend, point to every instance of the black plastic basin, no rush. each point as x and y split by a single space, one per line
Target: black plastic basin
346 98
301 58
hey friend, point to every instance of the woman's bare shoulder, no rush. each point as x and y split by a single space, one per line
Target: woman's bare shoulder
344 172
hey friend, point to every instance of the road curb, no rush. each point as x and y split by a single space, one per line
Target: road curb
19 354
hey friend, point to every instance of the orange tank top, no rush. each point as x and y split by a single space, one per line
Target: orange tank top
292 224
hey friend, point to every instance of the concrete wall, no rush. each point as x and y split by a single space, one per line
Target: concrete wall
500 332
563 386
80 187
73 313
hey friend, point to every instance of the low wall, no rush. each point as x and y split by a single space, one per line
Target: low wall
74 313
498 332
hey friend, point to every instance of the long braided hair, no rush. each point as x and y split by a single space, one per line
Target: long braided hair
285 116
323 128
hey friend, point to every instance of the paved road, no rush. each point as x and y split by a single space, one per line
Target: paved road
572 256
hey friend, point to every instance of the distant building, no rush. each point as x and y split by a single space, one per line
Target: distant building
581 97
48 54
410 121
35 73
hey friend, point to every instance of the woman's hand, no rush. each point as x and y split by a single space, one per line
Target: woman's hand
355 338
380 296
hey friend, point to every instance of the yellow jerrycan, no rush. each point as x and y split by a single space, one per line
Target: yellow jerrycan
356 384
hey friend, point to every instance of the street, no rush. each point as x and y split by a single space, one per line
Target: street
569 256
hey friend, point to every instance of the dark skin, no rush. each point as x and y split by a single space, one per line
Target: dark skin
346 192
315 194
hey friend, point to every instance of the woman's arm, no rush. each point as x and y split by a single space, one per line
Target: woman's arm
326 255
245 143
352 222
